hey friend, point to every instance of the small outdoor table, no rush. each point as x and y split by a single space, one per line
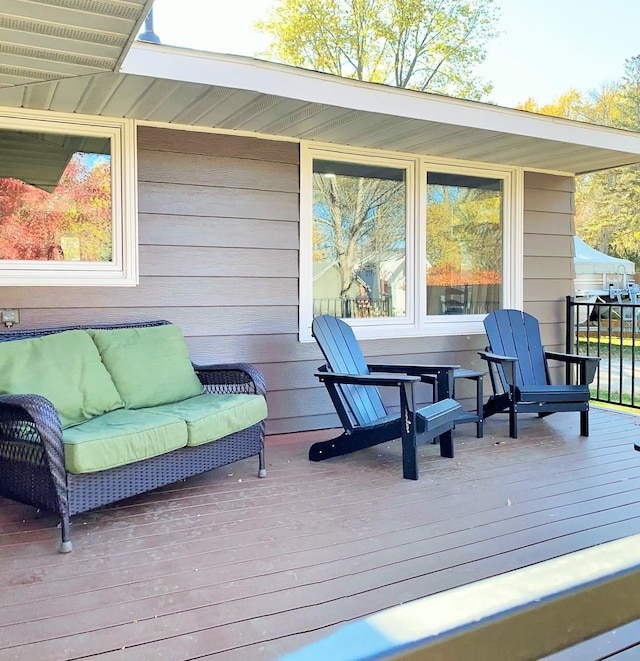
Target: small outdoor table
465 416
471 416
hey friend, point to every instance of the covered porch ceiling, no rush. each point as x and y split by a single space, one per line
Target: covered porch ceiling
58 39
48 42
77 65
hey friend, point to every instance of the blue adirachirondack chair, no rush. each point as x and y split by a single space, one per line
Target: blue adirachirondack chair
353 387
520 376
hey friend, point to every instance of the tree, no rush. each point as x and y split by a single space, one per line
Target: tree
355 218
34 224
607 202
426 45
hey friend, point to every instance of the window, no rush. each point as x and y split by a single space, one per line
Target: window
67 203
400 246
359 239
464 244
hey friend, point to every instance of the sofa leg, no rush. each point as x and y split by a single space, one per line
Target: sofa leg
65 544
262 471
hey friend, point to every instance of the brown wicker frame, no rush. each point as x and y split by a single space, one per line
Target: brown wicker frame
32 467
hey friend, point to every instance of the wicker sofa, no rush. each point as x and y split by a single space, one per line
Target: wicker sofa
93 414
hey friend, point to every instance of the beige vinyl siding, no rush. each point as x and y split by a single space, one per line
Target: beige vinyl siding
219 240
549 271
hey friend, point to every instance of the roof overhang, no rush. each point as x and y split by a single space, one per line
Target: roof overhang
241 93
184 88
44 41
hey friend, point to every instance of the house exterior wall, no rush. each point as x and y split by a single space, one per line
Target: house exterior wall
219 239
549 271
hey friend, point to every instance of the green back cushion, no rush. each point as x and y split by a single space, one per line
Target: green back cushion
149 366
65 368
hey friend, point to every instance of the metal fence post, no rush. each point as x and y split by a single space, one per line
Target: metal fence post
569 335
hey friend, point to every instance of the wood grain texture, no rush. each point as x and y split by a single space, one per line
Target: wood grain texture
180 230
537 199
193 142
228 567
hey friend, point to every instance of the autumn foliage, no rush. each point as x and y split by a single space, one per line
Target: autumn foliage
36 224
446 275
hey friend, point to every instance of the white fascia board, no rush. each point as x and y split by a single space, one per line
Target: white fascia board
238 72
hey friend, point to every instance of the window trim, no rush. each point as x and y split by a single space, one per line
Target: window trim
123 269
417 323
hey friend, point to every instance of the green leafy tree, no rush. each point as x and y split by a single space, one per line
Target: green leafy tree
426 45
607 202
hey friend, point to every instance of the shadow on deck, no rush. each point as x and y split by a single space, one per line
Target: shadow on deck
230 567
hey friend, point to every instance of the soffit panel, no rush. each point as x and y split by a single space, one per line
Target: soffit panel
199 105
52 39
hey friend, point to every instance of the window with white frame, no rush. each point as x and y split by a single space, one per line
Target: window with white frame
464 243
67 201
399 246
359 231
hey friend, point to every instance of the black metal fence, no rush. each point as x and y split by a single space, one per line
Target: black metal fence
349 308
609 329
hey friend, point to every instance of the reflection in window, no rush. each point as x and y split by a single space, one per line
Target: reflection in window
359 239
55 197
463 244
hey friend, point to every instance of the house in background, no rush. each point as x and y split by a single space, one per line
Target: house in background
215 164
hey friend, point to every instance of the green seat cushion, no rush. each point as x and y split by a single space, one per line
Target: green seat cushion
120 437
65 368
149 366
210 417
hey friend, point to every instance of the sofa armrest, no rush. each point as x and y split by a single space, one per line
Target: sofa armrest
31 434
241 378
32 419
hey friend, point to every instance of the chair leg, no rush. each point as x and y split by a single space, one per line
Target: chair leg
584 423
513 421
409 457
408 430
446 445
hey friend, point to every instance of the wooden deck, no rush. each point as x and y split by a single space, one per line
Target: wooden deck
229 567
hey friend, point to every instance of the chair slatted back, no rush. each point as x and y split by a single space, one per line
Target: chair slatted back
363 404
517 333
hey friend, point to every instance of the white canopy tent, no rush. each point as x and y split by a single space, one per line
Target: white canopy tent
595 270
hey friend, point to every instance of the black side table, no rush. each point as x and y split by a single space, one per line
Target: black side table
471 416
464 416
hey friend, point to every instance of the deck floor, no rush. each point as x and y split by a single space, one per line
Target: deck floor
230 567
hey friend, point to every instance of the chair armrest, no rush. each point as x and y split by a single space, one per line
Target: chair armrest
439 376
507 363
496 358
367 379
588 364
242 378
415 370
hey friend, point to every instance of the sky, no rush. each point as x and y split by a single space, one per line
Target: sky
545 47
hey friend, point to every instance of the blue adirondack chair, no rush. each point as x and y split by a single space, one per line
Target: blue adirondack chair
520 376
353 387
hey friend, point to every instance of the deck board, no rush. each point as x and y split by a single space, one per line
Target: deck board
229 567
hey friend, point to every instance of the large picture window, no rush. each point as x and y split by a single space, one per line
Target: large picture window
66 210
464 233
406 247
359 239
